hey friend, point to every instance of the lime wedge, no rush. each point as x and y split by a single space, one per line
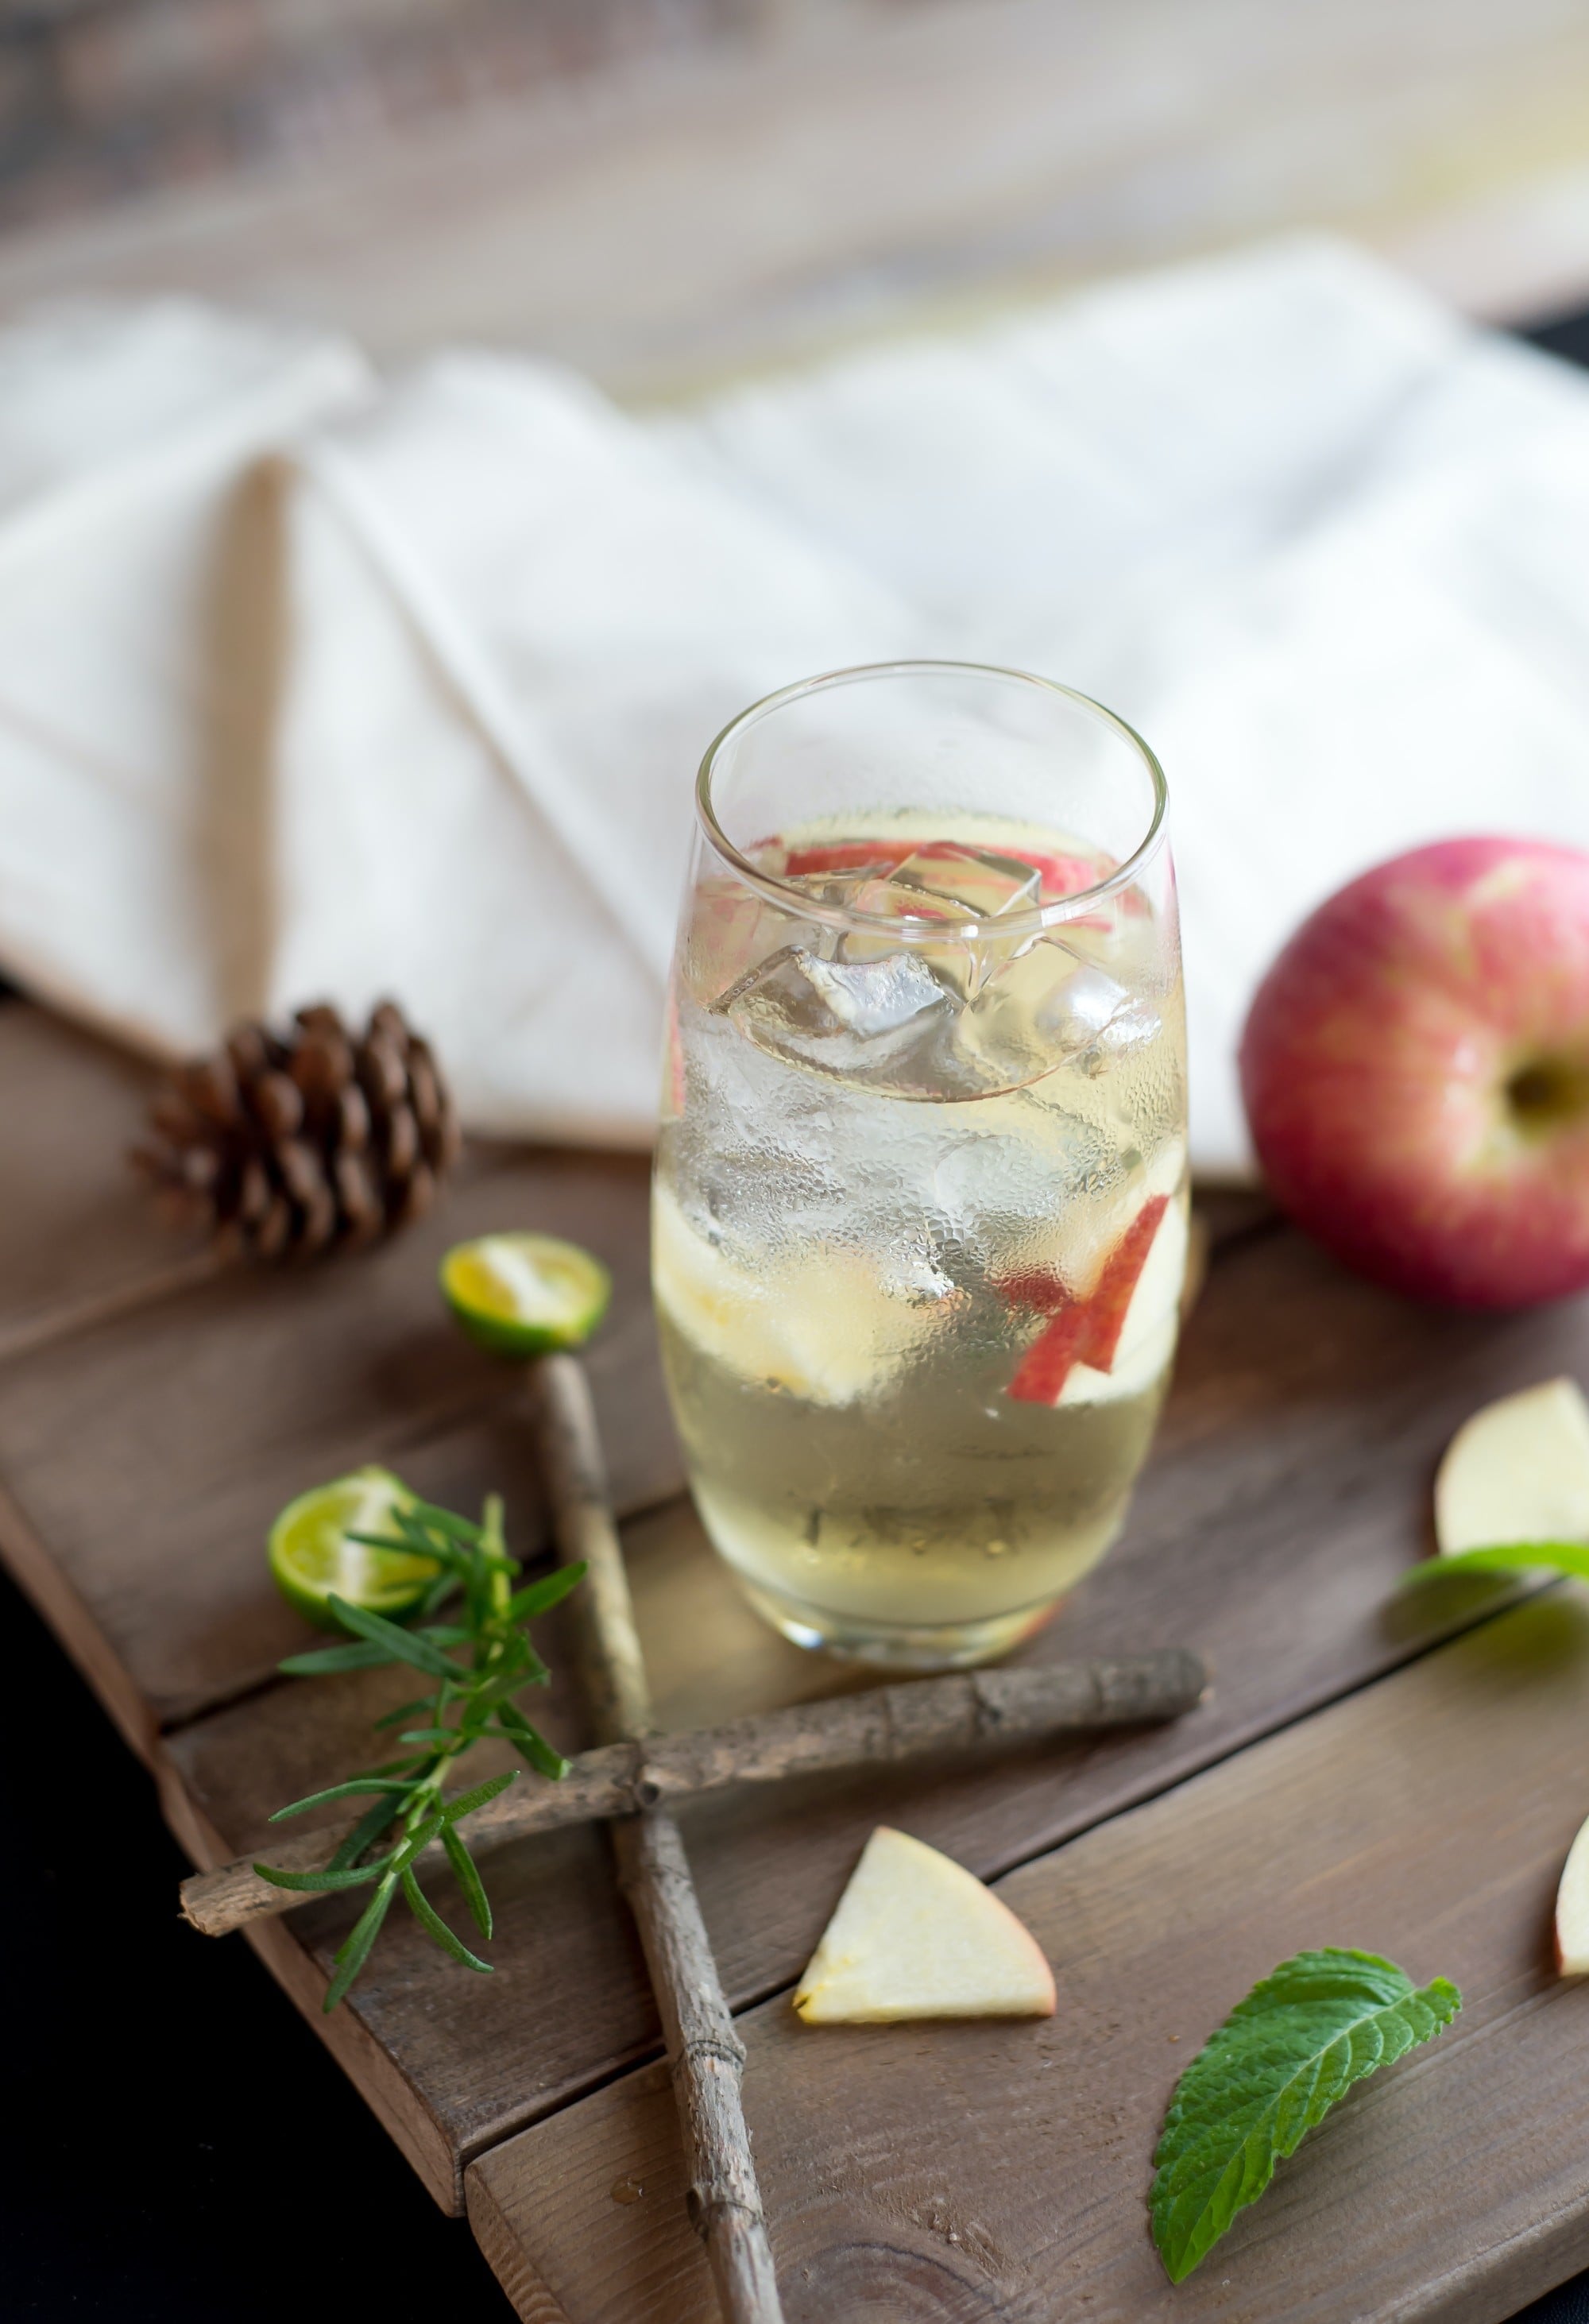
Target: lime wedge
311 1557
520 1295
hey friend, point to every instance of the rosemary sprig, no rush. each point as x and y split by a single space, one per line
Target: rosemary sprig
476 1665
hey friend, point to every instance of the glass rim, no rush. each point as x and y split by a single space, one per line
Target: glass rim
925 930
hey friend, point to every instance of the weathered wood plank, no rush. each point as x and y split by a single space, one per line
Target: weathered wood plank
761 198
76 1226
1289 1487
149 1455
1000 2172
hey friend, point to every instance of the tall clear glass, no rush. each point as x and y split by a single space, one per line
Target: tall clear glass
921 1204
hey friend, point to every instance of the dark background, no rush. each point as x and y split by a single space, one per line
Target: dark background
181 2150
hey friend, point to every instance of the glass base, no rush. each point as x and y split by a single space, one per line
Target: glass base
897 1646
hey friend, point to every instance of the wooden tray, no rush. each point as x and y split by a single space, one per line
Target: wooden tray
1372 1772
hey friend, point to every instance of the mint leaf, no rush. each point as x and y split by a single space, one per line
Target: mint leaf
1505 1557
1321 2021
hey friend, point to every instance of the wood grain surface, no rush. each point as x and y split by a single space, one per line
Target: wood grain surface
143 1453
1289 1487
965 2172
145 1439
844 168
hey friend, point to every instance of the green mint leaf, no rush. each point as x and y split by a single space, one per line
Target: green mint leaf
1505 1557
435 1927
1321 2021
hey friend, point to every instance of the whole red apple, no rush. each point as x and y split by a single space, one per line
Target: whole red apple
1416 1073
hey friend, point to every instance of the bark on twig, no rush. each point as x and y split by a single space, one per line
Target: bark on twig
705 2054
882 1728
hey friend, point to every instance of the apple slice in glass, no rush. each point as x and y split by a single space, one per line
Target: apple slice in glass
1087 1331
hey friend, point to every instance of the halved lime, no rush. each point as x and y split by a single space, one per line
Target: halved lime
312 1558
520 1295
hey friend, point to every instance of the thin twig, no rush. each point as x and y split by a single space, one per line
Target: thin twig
882 1728
705 2054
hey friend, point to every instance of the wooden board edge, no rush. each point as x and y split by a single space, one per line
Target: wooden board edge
1533 2265
533 2300
46 1587
385 2089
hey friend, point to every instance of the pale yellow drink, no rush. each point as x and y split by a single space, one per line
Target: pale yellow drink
919 1233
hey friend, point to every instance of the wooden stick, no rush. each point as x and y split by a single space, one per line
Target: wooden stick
705 2054
883 1728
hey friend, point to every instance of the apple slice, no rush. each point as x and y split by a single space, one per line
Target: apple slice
1087 1331
1061 875
916 1935
1043 1370
1572 1910
1518 1471
1110 1295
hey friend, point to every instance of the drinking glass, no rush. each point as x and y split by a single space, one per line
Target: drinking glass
919 1217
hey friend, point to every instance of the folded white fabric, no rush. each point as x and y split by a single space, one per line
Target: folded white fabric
309 686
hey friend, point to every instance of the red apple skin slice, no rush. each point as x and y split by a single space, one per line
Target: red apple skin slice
1061 875
1040 1288
1043 1370
1086 1331
1111 1296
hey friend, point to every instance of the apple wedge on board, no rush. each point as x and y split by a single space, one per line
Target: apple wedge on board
1518 1471
916 1935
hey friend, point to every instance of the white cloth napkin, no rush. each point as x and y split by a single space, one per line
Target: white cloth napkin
312 685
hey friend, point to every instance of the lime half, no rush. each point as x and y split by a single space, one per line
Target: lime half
312 1558
520 1295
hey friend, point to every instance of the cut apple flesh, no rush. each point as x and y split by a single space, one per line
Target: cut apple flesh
1572 1910
1518 1471
1085 1330
916 1935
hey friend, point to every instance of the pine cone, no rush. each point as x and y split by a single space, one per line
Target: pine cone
288 1148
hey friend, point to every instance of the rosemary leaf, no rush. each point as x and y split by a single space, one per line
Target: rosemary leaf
362 1784
352 1956
434 1926
366 1830
532 1742
400 1646
542 1595
313 1883
477 1664
467 1801
323 1662
467 1873
404 1711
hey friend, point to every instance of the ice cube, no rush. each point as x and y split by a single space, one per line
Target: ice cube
1049 1006
967 886
857 1019
1090 1020
873 996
